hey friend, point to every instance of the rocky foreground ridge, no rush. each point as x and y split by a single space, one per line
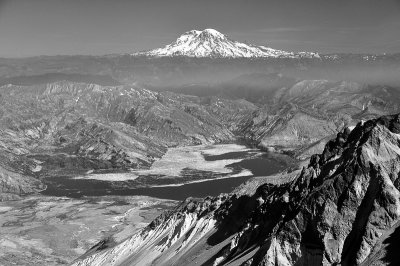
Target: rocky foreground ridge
342 209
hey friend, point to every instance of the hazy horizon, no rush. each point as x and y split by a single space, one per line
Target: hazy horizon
99 27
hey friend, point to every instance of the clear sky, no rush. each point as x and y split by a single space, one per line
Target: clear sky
48 27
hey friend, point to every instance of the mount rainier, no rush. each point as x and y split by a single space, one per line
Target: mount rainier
211 43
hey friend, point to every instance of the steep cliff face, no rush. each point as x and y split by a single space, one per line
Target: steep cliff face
339 207
343 209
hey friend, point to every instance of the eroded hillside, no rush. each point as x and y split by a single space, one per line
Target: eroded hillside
68 128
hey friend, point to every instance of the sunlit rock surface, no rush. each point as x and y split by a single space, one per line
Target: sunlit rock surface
343 208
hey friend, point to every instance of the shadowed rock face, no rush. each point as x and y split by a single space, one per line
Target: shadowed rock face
343 209
341 205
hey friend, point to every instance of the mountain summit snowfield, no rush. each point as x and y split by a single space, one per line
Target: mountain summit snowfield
211 43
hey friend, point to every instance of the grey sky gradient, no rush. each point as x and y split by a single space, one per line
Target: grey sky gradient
49 27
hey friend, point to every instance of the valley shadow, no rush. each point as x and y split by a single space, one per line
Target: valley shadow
392 256
354 239
231 215
231 218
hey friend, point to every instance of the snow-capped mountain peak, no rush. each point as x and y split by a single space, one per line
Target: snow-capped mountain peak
212 43
212 33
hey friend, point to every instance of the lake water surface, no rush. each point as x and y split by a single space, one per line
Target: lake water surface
195 171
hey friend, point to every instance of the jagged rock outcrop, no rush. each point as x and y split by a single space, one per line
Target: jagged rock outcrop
342 209
340 206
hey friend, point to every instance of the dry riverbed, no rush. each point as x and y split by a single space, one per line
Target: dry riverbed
41 230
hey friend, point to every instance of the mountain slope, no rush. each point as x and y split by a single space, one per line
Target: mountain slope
13 184
67 128
312 110
344 208
211 43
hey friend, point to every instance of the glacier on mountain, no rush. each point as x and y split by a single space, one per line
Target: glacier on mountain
211 43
